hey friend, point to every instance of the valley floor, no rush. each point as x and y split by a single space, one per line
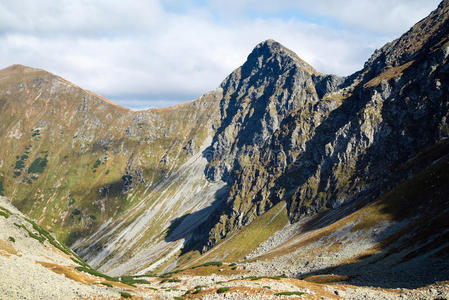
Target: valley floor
34 265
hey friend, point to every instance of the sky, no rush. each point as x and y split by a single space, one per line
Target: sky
156 53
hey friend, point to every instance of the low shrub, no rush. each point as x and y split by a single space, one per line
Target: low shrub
289 294
106 284
222 290
125 295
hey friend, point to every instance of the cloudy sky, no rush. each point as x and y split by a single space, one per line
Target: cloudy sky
153 53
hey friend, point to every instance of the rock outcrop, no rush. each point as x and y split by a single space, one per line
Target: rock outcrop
331 141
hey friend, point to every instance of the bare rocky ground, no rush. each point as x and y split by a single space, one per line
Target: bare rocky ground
31 269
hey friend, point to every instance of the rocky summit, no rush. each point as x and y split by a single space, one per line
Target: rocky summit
281 182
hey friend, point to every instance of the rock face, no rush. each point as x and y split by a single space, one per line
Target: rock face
328 142
257 97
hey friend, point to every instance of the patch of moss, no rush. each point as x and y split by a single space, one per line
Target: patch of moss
12 239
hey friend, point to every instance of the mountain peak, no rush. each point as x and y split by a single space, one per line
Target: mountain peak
18 68
271 47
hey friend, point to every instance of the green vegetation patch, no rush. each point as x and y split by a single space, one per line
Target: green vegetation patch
210 263
253 278
12 239
251 236
125 295
4 210
177 298
97 164
198 289
31 234
326 278
96 273
289 294
223 290
20 164
38 165
4 214
47 235
35 132
166 275
72 200
131 280
2 189
106 284
170 280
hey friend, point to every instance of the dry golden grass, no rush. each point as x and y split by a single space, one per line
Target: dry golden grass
69 272
326 278
82 277
224 270
319 290
7 249
312 237
388 74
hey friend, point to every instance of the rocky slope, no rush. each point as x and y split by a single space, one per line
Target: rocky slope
35 265
345 141
215 178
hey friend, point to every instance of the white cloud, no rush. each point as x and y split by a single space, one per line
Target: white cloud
157 53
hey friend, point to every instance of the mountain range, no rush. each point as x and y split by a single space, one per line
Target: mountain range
281 171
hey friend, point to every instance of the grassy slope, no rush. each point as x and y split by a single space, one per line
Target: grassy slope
89 144
244 241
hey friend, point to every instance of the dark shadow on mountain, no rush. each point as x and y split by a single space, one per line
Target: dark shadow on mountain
194 227
416 253
407 128
411 274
